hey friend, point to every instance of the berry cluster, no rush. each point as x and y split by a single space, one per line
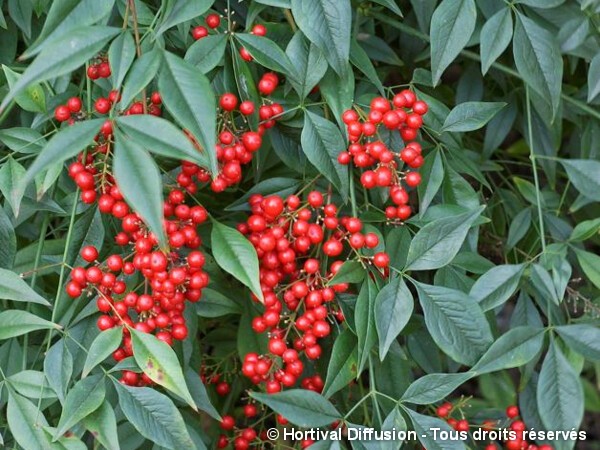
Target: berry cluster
237 143
212 23
445 411
65 112
298 291
99 69
368 151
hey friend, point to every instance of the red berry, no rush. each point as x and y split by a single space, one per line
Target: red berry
62 113
89 253
512 412
228 101
381 260
213 20
259 30
199 32
102 105
74 104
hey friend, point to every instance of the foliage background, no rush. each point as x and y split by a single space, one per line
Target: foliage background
513 125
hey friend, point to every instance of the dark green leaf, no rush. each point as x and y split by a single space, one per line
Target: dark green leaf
471 116
154 416
22 140
350 272
497 285
236 255
33 98
84 398
158 360
32 384
364 321
58 368
496 34
309 62
215 304
189 97
139 181
182 11
585 230
594 78
559 392
267 53
538 59
393 309
342 368
25 422
433 172
142 72
199 393
160 136
327 23
103 425
360 59
16 323
120 56
452 25
438 242
104 344
11 173
456 322
207 52
12 287
424 426
8 247
585 176
301 407
584 339
65 55
514 349
322 142
434 387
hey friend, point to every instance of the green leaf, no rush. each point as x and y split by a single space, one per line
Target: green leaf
20 12
32 384
158 360
22 139
438 242
327 23
58 368
513 349
590 264
301 407
452 25
33 98
496 34
103 426
267 53
364 321
585 230
471 116
360 59
456 322
207 52
199 393
8 248
25 422
433 172
391 5
393 309
350 272
141 74
64 17
519 226
423 425
538 59
101 348
236 255
154 416
593 78
84 398
12 287
309 61
582 338
497 285
434 387
161 137
139 181
585 176
15 322
342 368
11 173
65 144
182 11
541 3
120 56
215 304
322 142
190 99
559 392
64 56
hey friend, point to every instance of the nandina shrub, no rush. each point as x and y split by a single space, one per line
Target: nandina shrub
223 220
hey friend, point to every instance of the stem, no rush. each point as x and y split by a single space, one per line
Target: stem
290 19
352 193
138 47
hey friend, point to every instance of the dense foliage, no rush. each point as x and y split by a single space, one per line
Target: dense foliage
226 217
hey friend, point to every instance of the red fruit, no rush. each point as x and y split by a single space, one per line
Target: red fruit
228 101
259 30
74 104
266 86
381 260
380 104
213 20
252 141
89 253
92 73
277 346
512 411
247 107
199 32
462 425
315 199
246 56
227 423
420 108
250 410
104 70
223 388
272 205
413 179
102 105
73 289
62 113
